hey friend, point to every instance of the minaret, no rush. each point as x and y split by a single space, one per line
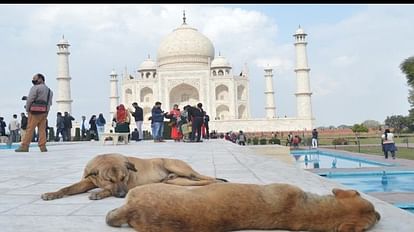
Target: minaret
269 93
303 92
113 99
64 101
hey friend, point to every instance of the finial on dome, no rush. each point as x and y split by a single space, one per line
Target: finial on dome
219 53
184 18
299 25
63 36
149 57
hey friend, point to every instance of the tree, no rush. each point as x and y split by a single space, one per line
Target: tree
371 124
358 128
398 122
407 67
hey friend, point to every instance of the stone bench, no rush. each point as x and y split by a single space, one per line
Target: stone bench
114 136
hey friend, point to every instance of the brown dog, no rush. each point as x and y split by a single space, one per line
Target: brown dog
227 207
115 174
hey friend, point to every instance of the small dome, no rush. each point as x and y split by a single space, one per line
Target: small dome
300 31
113 73
220 62
63 41
148 64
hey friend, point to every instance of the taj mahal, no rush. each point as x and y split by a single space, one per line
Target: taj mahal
186 71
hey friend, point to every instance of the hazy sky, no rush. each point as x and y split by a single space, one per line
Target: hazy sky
354 52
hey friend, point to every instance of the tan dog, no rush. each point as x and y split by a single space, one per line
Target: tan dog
115 174
227 207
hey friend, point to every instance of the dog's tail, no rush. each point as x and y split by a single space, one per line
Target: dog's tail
222 180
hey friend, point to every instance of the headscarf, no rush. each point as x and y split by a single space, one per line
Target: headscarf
121 114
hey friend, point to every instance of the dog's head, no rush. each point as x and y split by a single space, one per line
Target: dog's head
359 214
113 176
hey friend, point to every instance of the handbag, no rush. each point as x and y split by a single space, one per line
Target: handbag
39 106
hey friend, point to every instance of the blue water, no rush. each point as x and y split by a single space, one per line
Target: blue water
406 206
13 146
309 159
390 181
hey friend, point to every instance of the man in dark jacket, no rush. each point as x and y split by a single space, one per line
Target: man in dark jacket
68 125
139 118
197 117
157 125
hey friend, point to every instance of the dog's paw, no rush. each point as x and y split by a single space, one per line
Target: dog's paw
51 196
95 196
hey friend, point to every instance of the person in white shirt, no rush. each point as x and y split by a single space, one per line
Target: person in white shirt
388 144
14 128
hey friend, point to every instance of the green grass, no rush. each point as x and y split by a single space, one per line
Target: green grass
403 152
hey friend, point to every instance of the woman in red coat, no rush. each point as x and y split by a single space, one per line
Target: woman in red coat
175 117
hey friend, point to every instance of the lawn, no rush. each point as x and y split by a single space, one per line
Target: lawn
403 152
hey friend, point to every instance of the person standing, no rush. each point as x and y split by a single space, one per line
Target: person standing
314 138
388 144
38 92
23 126
206 120
93 130
14 127
241 138
175 117
60 127
84 128
2 127
197 119
138 115
68 126
157 117
100 124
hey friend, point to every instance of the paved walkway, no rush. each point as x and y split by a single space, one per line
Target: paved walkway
25 176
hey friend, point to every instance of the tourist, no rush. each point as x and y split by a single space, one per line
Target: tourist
84 128
2 127
296 141
14 128
388 144
138 115
197 115
23 125
122 119
100 124
184 124
175 117
42 96
241 138
93 129
60 127
206 127
157 118
67 118
289 139
314 138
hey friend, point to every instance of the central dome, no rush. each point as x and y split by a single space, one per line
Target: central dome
185 46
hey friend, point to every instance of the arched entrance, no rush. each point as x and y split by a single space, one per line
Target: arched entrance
184 94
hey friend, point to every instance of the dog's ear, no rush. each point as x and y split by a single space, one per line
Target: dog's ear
131 166
340 193
92 173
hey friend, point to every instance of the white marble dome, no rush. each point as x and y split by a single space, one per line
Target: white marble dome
220 62
185 46
148 64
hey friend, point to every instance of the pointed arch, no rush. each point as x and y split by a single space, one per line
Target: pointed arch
146 95
222 93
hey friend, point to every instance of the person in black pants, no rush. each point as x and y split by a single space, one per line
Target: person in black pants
197 115
206 120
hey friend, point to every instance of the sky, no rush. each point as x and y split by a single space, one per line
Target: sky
354 52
